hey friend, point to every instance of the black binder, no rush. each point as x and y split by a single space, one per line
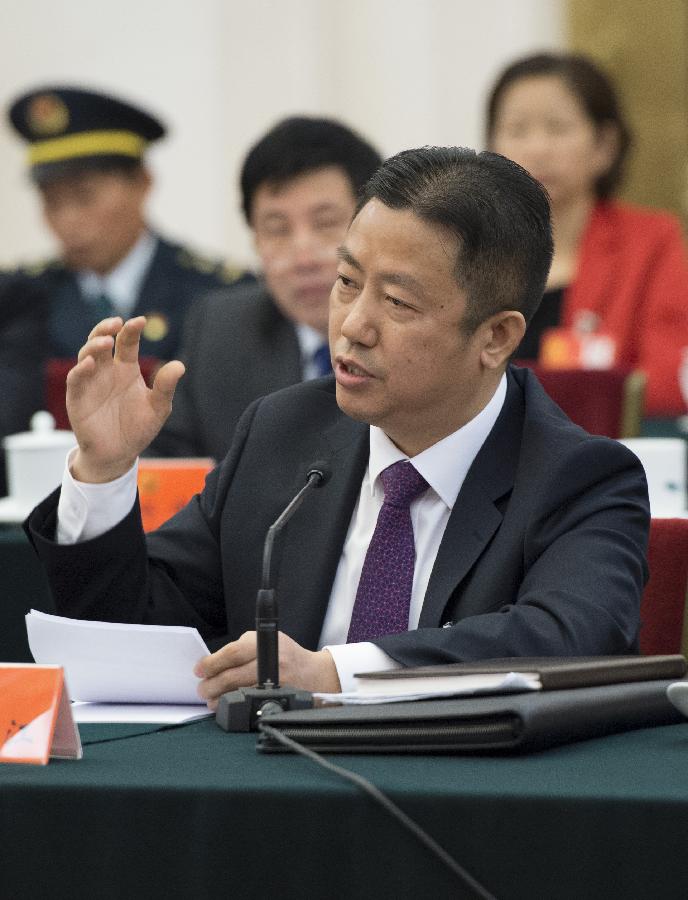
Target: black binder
511 723
554 672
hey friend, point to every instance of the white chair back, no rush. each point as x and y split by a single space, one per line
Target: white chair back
664 461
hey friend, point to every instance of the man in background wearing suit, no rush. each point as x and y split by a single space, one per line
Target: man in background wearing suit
299 185
87 160
464 516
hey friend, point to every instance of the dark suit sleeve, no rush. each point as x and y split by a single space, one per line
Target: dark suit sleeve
583 570
170 577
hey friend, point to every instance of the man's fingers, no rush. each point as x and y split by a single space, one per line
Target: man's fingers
164 386
236 653
99 347
128 338
107 326
228 680
83 370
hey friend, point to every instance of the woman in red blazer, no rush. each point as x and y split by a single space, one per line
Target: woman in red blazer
617 269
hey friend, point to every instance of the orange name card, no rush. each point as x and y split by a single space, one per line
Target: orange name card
565 348
36 720
166 485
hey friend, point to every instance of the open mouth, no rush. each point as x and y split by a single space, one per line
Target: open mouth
351 369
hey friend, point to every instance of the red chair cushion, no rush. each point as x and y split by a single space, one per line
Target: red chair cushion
664 599
592 398
55 376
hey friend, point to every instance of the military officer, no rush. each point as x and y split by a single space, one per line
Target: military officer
86 154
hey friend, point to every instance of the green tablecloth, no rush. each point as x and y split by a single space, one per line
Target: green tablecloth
23 586
194 812
663 427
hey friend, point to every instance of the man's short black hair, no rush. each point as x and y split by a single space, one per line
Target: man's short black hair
497 212
303 144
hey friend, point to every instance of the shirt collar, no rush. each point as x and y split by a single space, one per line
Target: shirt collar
123 283
445 464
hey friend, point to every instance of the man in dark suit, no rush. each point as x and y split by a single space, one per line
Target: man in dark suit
299 184
464 516
87 160
23 339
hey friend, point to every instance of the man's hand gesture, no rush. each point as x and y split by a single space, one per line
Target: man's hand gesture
113 414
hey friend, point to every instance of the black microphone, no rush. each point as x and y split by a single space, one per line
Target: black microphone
240 710
266 602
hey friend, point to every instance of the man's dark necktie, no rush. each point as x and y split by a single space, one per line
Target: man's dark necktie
102 307
383 597
321 360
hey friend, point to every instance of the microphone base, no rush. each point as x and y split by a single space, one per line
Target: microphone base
243 709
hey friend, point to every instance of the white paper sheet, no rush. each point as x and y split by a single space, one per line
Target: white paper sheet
162 714
404 689
109 662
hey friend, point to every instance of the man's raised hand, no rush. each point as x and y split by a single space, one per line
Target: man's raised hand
113 414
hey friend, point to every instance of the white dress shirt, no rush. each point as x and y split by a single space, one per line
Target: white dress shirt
86 511
123 284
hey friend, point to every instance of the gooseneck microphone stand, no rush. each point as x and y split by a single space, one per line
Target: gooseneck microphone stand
242 710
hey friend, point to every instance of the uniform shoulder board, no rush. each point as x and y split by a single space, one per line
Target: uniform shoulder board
206 266
230 273
36 269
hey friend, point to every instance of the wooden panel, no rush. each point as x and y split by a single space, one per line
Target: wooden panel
643 44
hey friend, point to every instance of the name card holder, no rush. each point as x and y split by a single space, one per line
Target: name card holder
36 721
166 485
566 348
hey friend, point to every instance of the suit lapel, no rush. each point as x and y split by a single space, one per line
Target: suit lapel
313 541
154 295
476 515
277 346
71 317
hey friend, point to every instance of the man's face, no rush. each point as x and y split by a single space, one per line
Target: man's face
96 216
298 228
401 359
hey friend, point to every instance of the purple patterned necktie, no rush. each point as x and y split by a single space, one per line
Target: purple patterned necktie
384 590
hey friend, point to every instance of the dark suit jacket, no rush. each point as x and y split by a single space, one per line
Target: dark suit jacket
544 552
23 345
237 346
175 278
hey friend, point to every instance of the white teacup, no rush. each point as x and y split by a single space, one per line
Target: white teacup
36 459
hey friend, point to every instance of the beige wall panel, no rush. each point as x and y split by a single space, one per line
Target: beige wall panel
643 44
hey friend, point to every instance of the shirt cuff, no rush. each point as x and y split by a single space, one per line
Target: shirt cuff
363 656
85 511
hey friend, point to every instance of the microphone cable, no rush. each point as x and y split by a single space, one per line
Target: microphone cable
466 879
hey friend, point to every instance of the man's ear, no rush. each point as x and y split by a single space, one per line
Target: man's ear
144 180
502 333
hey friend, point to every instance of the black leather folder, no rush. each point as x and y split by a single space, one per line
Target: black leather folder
554 672
511 723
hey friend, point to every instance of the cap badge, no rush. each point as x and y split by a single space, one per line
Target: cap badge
47 115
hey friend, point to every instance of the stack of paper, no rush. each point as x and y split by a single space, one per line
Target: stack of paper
120 672
394 691
509 675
